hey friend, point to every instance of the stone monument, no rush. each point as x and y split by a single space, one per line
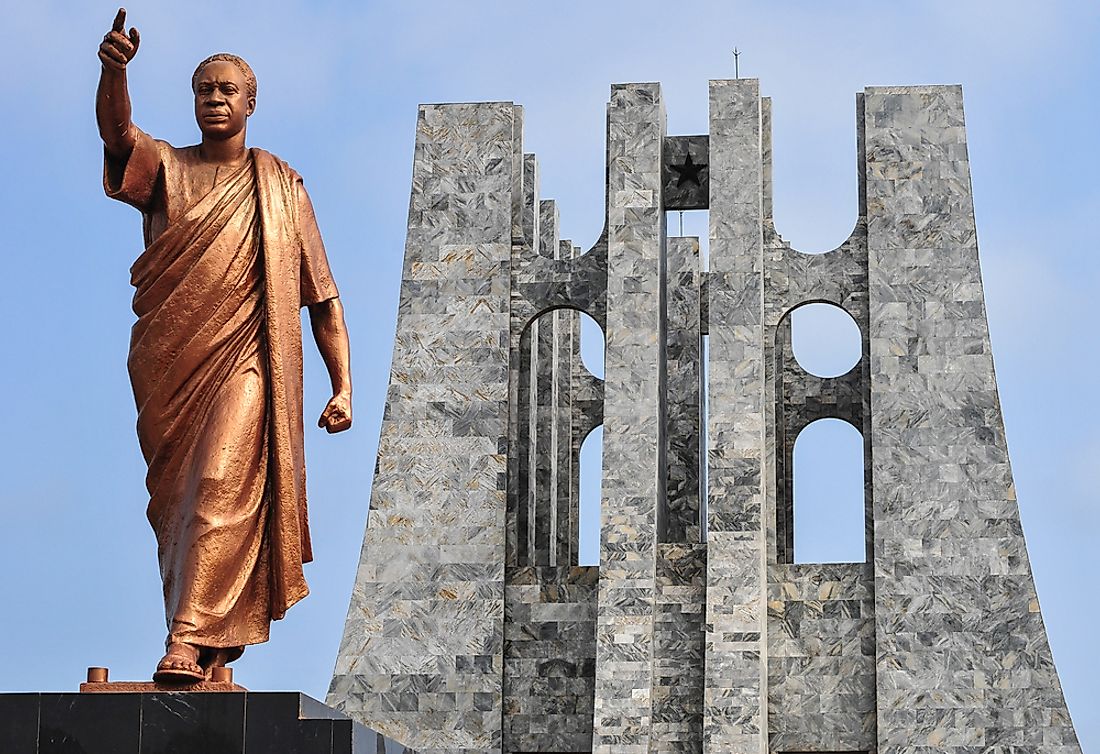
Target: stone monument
472 628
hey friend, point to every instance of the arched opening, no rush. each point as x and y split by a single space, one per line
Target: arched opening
591 477
813 138
592 345
829 498
558 402
825 339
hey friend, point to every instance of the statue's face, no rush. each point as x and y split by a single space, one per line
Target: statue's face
222 104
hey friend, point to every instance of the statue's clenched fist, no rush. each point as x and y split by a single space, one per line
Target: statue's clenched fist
117 49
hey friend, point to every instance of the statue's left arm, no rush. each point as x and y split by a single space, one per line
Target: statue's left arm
326 316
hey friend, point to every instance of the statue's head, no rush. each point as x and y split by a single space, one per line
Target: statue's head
225 95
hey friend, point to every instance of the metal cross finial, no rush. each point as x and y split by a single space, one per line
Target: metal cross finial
736 67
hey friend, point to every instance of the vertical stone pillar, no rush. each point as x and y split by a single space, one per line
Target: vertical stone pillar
683 345
523 450
633 480
566 327
421 655
735 718
962 661
543 440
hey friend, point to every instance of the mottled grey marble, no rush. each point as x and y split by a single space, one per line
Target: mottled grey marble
471 626
684 359
633 440
422 652
734 707
796 397
549 658
821 657
679 648
962 656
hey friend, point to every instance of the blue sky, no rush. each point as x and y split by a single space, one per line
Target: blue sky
338 88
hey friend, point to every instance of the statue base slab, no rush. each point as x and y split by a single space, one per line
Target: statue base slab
152 687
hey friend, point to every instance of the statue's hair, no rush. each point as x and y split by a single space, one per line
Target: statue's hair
245 68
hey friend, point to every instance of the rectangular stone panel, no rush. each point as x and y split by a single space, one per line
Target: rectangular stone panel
963 662
821 658
683 352
421 658
633 479
735 715
686 172
549 658
679 648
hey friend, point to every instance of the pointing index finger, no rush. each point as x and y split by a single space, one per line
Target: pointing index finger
120 20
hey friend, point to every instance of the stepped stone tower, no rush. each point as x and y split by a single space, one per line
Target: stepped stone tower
473 629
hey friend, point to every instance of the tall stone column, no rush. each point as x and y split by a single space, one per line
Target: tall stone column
421 657
962 661
683 345
735 717
633 478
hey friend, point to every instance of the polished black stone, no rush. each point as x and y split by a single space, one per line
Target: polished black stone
182 723
87 724
172 723
688 172
19 721
274 722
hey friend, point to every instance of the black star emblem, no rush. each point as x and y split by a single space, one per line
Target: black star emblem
688 172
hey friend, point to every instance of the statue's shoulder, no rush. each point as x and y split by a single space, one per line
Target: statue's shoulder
272 159
183 154
179 158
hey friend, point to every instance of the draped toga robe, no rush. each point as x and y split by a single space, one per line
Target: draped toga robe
232 254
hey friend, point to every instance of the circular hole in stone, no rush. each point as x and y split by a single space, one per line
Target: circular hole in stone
825 339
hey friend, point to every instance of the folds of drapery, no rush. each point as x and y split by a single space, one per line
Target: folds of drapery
215 363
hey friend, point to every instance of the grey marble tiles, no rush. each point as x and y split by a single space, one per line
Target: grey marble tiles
422 652
962 655
735 695
471 625
633 448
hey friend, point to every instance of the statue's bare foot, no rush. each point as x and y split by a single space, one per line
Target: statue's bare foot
218 657
179 665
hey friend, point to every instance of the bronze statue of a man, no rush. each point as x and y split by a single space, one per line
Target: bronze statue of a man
232 254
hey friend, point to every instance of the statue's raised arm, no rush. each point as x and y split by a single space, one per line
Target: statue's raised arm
112 104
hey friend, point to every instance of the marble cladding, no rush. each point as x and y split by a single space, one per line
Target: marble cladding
962 656
796 397
545 414
679 648
471 625
735 695
684 359
686 172
821 657
549 658
421 657
633 440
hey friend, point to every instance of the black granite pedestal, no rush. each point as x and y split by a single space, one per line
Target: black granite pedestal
246 722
